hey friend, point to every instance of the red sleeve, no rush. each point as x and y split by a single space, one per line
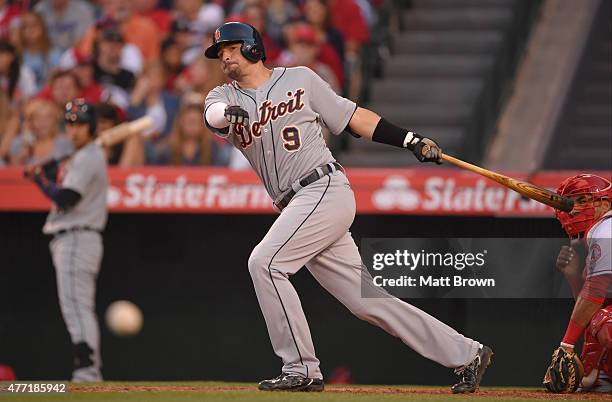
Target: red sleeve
596 288
45 93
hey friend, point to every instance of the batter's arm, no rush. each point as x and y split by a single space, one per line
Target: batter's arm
370 125
364 122
64 198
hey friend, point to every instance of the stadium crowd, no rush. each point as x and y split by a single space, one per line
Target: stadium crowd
145 57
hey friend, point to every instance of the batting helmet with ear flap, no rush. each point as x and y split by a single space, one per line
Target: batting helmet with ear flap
79 111
252 45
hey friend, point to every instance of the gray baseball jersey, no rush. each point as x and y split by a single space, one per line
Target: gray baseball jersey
285 139
77 255
84 173
284 143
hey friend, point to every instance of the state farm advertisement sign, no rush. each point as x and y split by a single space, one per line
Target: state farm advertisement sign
377 191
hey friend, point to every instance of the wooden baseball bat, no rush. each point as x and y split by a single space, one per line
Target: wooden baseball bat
121 132
527 189
106 138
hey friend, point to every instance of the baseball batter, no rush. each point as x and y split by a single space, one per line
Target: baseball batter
588 225
276 118
76 221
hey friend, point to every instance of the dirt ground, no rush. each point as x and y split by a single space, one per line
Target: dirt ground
484 392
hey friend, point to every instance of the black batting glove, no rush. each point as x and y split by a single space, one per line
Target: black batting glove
237 115
31 171
50 169
426 149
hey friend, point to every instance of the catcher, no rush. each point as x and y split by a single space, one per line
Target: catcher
588 225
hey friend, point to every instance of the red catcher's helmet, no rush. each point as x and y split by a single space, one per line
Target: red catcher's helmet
593 189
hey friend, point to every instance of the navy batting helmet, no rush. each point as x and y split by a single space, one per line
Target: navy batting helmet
79 111
252 45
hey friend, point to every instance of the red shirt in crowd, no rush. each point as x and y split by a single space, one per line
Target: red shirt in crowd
162 19
348 19
8 16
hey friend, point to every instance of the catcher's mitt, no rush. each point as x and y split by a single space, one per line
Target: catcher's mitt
564 373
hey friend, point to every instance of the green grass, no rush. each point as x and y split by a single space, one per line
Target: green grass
220 391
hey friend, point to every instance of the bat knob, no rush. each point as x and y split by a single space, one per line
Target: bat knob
567 204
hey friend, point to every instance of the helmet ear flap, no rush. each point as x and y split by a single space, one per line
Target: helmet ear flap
251 52
92 127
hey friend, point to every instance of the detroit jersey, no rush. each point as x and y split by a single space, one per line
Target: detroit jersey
85 173
287 117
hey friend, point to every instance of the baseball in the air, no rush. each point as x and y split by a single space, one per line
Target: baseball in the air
124 318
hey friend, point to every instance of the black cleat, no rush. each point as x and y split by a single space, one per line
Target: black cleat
292 382
471 375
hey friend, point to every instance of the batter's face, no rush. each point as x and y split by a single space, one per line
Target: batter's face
78 133
233 63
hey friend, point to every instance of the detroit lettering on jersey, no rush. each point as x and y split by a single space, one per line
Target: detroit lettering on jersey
288 115
269 112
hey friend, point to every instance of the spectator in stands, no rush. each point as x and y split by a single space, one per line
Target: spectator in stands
39 139
348 18
326 57
63 87
91 90
150 97
186 40
66 20
198 79
191 144
171 59
10 80
36 49
255 14
304 50
279 13
16 80
137 29
131 57
160 16
117 81
126 154
201 17
9 20
318 15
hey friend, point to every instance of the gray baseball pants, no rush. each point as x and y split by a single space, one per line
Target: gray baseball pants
77 256
312 231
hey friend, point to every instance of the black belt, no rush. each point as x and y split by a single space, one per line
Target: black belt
305 181
75 229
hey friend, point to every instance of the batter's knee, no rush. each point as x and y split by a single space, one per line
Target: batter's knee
258 263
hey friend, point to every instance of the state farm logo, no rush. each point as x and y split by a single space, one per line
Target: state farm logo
443 194
396 193
216 192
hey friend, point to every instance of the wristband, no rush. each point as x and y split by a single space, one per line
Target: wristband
390 134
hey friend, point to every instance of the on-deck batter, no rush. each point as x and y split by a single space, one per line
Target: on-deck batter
276 118
77 218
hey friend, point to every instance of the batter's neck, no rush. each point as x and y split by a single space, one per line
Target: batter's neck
255 78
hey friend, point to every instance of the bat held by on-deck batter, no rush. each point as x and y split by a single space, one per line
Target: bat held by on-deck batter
121 132
106 138
527 189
